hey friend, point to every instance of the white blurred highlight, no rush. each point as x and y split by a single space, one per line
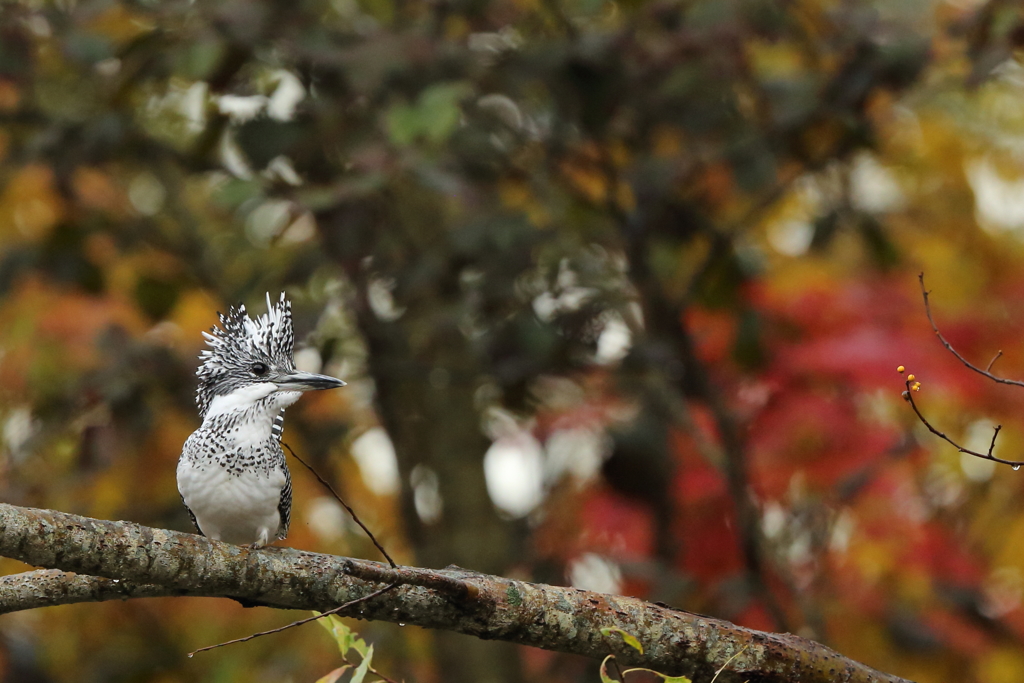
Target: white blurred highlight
614 342
873 187
286 97
514 470
18 430
593 572
577 452
978 438
326 518
426 494
792 237
378 465
308 360
998 201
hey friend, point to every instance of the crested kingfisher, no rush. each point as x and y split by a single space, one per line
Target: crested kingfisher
232 474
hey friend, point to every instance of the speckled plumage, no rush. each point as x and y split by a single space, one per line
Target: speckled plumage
232 474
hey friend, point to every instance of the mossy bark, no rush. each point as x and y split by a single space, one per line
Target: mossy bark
148 562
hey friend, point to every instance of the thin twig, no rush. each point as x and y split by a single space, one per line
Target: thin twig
461 588
909 396
369 668
993 361
722 668
949 347
345 505
300 622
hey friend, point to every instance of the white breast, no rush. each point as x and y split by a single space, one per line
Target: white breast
236 508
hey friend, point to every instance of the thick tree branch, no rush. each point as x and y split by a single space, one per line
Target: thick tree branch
150 562
47 587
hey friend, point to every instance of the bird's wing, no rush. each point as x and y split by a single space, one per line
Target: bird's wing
284 507
278 427
192 516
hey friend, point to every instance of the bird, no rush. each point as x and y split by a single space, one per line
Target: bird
232 474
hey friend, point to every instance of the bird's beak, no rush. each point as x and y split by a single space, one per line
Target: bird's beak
305 381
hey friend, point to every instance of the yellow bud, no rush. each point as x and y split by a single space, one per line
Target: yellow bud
900 369
916 387
910 378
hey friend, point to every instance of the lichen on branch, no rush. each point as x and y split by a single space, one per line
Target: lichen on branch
126 560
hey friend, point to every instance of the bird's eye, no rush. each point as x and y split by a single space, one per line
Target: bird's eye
259 369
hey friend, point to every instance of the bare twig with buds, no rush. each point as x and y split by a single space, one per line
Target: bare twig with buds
913 385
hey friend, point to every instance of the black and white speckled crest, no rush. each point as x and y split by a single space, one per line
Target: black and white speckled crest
241 342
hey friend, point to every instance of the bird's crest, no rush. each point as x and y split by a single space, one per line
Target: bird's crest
238 343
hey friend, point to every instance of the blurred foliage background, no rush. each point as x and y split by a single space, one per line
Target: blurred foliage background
619 287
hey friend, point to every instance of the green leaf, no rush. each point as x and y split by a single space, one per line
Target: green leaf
347 639
440 111
403 125
434 117
333 676
627 637
360 646
199 59
235 192
326 623
341 633
364 666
